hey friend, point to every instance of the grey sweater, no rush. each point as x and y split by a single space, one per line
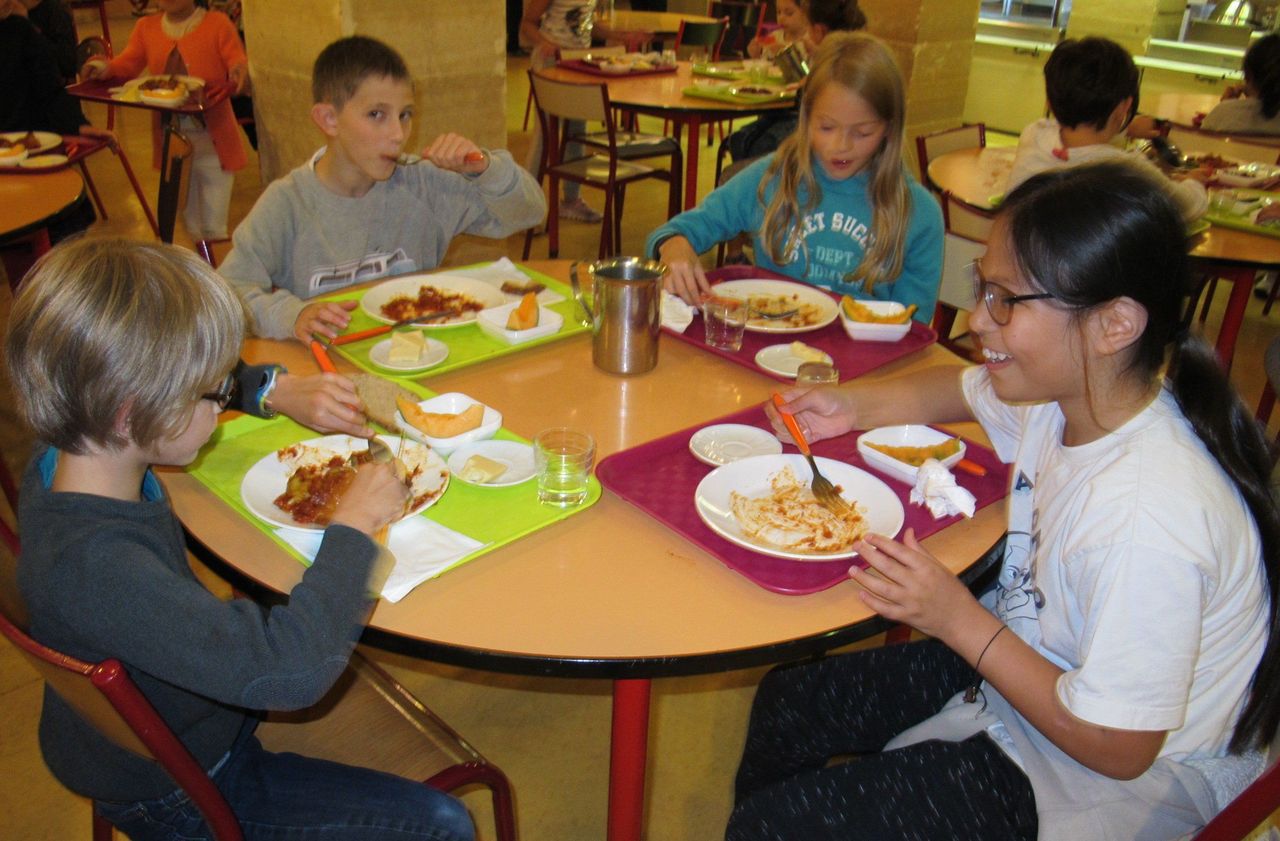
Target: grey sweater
301 240
105 578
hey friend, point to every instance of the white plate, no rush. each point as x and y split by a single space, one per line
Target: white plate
453 403
14 160
828 307
494 322
780 360
516 456
750 476
43 161
192 82
47 139
162 101
725 442
434 353
912 435
374 299
267 479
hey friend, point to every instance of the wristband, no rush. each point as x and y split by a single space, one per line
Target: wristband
263 392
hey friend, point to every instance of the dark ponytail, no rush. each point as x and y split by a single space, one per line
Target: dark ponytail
1091 234
1262 70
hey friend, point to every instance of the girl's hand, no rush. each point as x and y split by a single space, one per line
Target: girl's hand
822 412
910 586
457 154
374 498
94 69
755 47
239 77
685 276
327 403
324 318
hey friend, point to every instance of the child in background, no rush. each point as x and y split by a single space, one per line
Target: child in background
793 23
1253 107
1092 88
1129 648
834 206
353 213
187 40
104 569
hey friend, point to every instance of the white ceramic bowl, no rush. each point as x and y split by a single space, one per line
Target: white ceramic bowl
912 435
493 322
453 403
865 331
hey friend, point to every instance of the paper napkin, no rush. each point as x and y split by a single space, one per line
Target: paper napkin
423 550
500 271
936 488
676 314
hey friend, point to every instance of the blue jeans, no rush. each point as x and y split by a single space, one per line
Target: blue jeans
286 796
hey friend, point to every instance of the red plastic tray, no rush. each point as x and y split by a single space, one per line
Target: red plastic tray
660 478
852 359
586 67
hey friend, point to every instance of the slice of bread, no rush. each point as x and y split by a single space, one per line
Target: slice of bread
439 424
379 396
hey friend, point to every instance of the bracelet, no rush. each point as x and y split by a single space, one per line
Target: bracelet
971 694
263 393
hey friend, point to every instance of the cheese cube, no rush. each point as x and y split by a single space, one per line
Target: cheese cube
806 353
480 469
407 347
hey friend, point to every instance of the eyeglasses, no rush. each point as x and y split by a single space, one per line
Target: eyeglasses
225 392
999 300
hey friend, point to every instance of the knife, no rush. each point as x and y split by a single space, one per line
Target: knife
387 328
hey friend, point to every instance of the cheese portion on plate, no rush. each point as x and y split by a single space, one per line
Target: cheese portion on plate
406 347
806 353
481 470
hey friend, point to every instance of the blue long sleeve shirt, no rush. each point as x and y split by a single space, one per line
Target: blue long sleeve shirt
835 235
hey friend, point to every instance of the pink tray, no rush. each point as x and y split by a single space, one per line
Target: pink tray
852 359
666 494
586 67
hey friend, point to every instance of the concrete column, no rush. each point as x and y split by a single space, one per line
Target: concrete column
456 53
1131 23
933 42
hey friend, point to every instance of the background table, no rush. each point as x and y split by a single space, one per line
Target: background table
610 593
28 203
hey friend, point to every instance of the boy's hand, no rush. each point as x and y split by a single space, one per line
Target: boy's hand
457 154
324 318
685 276
374 498
822 412
327 403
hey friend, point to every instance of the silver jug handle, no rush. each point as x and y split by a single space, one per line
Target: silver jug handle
577 293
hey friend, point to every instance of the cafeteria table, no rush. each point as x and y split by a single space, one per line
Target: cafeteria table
661 95
975 176
609 593
28 203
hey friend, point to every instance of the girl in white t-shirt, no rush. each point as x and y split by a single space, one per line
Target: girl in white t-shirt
1127 654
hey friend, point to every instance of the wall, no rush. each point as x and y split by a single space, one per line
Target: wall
456 52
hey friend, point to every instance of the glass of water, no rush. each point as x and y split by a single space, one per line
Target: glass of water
563 458
817 373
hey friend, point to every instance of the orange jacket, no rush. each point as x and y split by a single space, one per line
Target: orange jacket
209 52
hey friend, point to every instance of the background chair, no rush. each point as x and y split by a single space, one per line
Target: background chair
745 19
930 146
967 229
569 55
700 42
611 167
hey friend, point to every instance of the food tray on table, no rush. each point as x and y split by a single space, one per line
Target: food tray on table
113 92
492 515
745 94
1239 215
67 151
667 495
595 69
467 343
851 358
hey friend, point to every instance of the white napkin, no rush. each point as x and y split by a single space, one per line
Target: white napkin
937 489
500 271
423 549
676 314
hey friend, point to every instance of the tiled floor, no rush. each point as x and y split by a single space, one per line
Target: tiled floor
550 736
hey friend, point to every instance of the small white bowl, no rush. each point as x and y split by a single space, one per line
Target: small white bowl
866 331
912 435
453 403
493 322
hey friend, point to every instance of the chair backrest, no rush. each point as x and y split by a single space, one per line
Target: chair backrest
956 286
745 19
569 54
209 249
930 146
587 101
9 527
1237 147
964 220
695 37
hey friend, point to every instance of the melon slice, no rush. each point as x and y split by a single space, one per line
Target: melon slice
525 315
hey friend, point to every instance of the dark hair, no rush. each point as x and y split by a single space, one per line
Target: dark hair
836 15
1085 80
1090 234
344 64
1262 71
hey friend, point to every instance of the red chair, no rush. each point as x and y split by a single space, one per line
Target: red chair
1244 814
8 532
745 20
930 146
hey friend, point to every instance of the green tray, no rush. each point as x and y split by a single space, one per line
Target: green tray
737 98
468 344
1239 222
495 516
721 70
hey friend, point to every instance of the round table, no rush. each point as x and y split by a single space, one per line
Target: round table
28 204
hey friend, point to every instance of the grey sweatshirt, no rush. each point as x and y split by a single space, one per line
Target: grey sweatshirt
301 240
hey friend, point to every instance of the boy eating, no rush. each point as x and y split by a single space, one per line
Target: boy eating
353 213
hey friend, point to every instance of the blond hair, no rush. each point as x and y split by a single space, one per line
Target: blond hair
863 65
110 329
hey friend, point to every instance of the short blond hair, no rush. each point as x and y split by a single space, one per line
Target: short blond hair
102 327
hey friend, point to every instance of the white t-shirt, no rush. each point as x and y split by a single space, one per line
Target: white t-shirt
568 22
1133 564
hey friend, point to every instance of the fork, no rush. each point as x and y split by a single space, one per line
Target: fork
774 316
825 492
381 454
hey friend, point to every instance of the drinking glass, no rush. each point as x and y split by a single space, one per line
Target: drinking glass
817 373
725 320
563 458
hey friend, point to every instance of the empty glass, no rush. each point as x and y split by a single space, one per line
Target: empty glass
563 458
817 373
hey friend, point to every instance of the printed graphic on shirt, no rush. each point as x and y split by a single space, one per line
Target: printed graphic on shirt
834 243
571 27
372 266
1018 599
